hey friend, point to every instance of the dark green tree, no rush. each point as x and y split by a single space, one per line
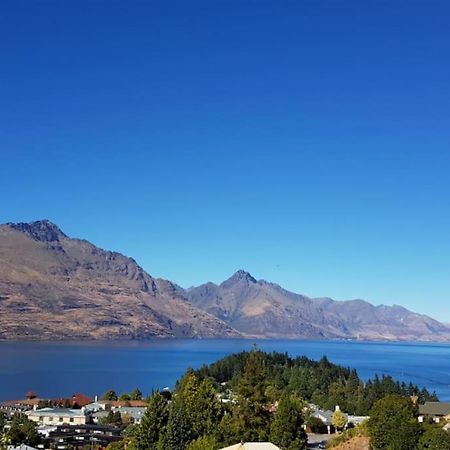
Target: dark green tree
179 428
23 431
434 439
136 394
250 414
110 395
286 430
392 424
153 424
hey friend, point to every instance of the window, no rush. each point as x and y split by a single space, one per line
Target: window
71 419
61 419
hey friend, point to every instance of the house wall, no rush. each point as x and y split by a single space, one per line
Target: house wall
55 420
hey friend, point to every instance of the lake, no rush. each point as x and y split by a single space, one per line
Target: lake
61 369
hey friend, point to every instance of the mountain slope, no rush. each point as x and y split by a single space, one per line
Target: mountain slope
55 287
264 309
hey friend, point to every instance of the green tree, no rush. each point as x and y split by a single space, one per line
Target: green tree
199 403
136 394
338 420
125 397
203 443
250 414
110 396
392 425
434 439
23 431
2 421
286 430
179 428
153 424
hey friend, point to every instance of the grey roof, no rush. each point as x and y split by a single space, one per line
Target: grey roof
135 412
434 409
56 412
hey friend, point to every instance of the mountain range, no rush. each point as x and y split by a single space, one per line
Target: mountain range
56 287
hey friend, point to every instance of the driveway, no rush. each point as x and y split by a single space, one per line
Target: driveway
318 441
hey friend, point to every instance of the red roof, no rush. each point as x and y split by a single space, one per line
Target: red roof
119 403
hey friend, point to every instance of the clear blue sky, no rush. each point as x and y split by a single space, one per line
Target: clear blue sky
307 142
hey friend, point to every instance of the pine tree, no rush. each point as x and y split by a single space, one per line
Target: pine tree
179 428
286 430
153 424
136 394
250 415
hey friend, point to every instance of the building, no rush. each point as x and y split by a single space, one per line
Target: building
437 411
57 416
79 436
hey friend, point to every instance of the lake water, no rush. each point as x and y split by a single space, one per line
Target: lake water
58 369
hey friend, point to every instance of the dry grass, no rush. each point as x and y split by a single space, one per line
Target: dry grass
356 443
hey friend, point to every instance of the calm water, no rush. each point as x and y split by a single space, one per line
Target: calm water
57 369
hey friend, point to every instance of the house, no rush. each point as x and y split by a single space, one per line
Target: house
80 436
437 411
134 413
57 416
253 446
326 416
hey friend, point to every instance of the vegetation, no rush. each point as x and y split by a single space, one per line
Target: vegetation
287 430
22 431
339 420
320 382
393 424
347 435
434 439
256 396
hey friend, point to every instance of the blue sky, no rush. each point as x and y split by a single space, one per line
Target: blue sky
306 142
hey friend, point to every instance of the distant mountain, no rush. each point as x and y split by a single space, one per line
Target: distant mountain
263 309
55 287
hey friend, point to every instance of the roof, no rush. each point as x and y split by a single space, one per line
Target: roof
253 446
25 401
435 409
20 447
121 403
79 399
56 412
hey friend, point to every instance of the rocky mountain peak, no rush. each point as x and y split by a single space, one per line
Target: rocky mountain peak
40 230
239 277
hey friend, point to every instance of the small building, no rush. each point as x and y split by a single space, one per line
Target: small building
437 411
57 416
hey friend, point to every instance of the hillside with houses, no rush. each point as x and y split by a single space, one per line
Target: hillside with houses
268 399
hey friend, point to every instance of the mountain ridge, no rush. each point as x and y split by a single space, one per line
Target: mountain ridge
56 287
266 309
